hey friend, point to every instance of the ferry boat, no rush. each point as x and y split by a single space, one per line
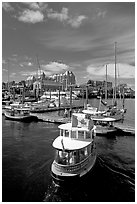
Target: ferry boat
75 150
19 114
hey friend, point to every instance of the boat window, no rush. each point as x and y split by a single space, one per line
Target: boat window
66 133
62 157
73 134
86 152
91 147
67 158
88 149
81 134
82 154
73 157
88 135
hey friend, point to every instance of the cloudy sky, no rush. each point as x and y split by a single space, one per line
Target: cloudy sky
74 36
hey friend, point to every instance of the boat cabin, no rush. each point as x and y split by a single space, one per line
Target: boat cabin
106 121
13 111
75 143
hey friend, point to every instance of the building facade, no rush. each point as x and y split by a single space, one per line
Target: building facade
66 79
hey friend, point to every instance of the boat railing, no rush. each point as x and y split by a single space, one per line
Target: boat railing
74 167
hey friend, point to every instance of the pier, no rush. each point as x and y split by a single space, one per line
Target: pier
122 128
52 119
42 110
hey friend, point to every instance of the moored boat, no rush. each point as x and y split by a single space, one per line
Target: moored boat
19 114
104 124
75 150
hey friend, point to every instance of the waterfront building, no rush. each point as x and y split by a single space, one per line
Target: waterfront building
66 79
30 80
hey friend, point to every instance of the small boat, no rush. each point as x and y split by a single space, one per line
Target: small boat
115 113
93 110
19 114
75 150
104 124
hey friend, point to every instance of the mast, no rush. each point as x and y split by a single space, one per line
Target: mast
39 71
115 73
86 95
123 98
41 77
8 76
106 85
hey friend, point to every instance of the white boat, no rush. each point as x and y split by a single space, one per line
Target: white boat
75 150
19 114
93 110
104 124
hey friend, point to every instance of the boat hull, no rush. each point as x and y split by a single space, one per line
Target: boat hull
21 118
69 179
105 131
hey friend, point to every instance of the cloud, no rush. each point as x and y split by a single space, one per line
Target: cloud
12 74
4 70
48 69
28 73
36 6
35 73
29 64
77 21
64 17
32 5
34 12
7 7
21 65
30 16
123 71
55 67
25 64
3 61
100 13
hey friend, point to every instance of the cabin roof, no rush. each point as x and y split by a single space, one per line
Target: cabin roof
68 126
93 112
104 119
23 109
69 143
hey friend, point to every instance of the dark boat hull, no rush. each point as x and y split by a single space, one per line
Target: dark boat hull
21 118
106 131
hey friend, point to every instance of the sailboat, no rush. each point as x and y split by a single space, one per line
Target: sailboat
113 110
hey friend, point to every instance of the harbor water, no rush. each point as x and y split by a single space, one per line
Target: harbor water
27 154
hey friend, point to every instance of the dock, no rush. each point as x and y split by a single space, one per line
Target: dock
125 128
122 128
52 119
48 109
